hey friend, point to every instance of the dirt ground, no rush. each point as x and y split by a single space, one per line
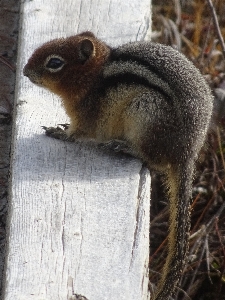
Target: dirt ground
9 24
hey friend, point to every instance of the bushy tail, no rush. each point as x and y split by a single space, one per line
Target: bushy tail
179 181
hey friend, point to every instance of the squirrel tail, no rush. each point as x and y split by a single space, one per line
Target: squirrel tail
179 181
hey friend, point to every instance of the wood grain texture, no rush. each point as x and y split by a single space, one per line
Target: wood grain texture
79 217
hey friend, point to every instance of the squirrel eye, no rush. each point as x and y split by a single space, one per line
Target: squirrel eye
55 64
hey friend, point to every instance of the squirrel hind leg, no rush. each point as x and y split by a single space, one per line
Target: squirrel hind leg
118 146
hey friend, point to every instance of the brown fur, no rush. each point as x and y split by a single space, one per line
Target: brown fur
62 83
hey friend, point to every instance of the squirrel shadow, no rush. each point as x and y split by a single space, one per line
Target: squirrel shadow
40 158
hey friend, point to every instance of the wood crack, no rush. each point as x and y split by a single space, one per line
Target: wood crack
139 212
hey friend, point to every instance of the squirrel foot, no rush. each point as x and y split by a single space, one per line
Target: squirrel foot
58 133
117 146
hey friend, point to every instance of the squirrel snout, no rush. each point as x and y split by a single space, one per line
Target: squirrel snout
26 71
32 75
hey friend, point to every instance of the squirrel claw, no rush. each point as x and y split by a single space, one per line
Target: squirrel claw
65 126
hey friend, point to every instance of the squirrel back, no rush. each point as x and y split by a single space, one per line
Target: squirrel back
145 95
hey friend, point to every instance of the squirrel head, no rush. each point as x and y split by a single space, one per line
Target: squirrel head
60 63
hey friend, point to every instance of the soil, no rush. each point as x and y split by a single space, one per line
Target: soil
9 25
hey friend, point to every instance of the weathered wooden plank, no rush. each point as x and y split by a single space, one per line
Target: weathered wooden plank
79 217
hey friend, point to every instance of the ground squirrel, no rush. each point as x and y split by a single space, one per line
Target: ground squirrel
143 98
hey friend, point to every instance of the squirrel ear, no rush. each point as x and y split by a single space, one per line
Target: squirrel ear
85 50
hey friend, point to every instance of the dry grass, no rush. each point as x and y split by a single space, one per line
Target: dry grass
191 29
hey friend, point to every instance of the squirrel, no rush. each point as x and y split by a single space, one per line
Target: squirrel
142 98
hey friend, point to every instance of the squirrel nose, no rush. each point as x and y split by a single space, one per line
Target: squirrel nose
26 71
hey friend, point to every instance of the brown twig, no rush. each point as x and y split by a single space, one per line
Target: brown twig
4 61
220 146
216 23
158 249
200 258
195 200
223 250
177 8
207 257
202 214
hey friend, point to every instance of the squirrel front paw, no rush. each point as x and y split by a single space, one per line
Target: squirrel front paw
59 133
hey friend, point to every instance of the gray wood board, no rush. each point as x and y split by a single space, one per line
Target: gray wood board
79 217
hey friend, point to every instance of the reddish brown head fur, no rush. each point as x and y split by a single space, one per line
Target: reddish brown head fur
63 63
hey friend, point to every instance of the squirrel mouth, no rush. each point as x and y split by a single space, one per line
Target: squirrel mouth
35 81
34 78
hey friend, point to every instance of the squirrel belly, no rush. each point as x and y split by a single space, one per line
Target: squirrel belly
146 95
